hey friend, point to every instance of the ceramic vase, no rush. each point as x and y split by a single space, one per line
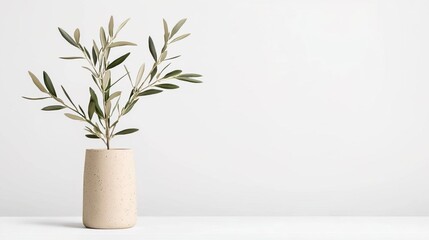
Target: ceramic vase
109 189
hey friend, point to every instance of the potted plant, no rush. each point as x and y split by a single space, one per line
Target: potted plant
109 197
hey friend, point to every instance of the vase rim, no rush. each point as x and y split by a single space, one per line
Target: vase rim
111 149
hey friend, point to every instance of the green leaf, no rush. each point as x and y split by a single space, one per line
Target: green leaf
129 107
126 131
90 70
67 95
91 136
94 56
87 53
77 35
114 95
173 73
81 110
121 26
37 82
53 108
114 124
118 61
152 49
48 84
108 106
106 79
153 73
67 37
97 51
94 99
93 95
140 74
150 92
177 27
191 80
103 37
111 26
163 56
92 75
71 58
187 75
91 109
167 86
172 58
166 33
74 117
121 43
180 37
31 98
97 130
163 70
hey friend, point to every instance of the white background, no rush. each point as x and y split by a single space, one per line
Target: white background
308 108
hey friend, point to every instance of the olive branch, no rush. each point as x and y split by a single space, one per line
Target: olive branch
109 111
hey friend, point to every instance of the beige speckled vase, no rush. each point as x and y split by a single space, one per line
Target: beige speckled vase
109 189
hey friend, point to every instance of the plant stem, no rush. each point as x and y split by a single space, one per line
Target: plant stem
106 121
107 138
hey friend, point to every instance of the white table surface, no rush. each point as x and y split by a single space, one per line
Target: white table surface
225 228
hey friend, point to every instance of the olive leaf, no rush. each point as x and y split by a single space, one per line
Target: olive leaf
94 99
180 37
114 95
81 110
188 75
111 26
172 58
186 79
77 35
91 109
48 84
130 106
173 73
152 49
163 70
149 92
71 58
53 108
106 79
32 98
126 131
177 27
108 106
95 47
67 37
163 56
153 73
74 117
87 53
67 95
91 136
37 82
103 37
121 43
166 33
93 74
121 26
118 61
167 86
140 74
94 55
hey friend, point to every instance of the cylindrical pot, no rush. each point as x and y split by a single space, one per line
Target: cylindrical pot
109 189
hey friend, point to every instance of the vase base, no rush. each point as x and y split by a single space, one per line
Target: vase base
108 227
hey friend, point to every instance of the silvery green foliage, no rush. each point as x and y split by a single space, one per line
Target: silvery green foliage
104 110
